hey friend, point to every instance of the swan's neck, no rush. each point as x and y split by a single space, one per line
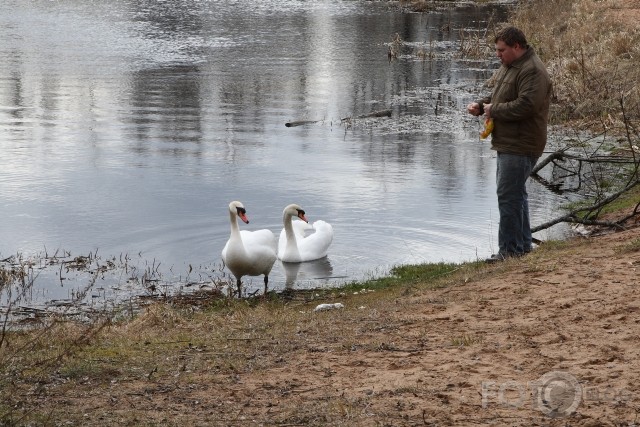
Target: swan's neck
288 229
235 230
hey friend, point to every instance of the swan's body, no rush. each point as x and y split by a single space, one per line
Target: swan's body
248 253
300 241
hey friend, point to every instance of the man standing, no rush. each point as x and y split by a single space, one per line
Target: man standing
519 108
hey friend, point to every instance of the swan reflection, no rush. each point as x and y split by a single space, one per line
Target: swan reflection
306 272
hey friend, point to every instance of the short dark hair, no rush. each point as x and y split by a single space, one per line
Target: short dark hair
512 36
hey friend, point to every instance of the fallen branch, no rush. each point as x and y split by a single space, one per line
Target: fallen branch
561 155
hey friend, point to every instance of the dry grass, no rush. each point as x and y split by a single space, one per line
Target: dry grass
593 57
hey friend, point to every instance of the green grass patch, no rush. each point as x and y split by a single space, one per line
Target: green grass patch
407 275
625 201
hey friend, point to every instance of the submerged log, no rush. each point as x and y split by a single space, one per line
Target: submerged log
300 123
381 113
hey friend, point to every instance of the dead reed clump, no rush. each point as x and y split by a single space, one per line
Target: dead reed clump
477 43
8 274
473 45
395 46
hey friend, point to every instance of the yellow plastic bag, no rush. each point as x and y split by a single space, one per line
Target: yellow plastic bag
488 128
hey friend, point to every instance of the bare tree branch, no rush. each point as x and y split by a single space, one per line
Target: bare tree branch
573 216
562 155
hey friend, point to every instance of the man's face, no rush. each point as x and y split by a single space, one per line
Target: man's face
507 54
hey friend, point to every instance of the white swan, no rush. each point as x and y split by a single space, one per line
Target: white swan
299 241
248 253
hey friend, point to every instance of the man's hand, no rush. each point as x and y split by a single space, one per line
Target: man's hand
474 109
487 110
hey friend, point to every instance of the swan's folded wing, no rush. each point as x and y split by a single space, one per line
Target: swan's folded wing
321 239
259 237
259 251
300 228
323 227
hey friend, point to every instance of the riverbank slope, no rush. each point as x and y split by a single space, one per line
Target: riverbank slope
470 348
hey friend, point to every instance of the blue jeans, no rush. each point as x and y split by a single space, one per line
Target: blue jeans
514 231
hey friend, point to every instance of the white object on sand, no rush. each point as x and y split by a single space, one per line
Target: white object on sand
323 307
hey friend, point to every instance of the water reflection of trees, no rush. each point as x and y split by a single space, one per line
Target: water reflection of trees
168 18
166 108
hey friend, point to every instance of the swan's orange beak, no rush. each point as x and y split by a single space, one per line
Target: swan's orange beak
243 217
302 217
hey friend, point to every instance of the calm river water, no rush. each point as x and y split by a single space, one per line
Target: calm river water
128 126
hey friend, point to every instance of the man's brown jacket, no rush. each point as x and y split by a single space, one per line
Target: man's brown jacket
520 106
